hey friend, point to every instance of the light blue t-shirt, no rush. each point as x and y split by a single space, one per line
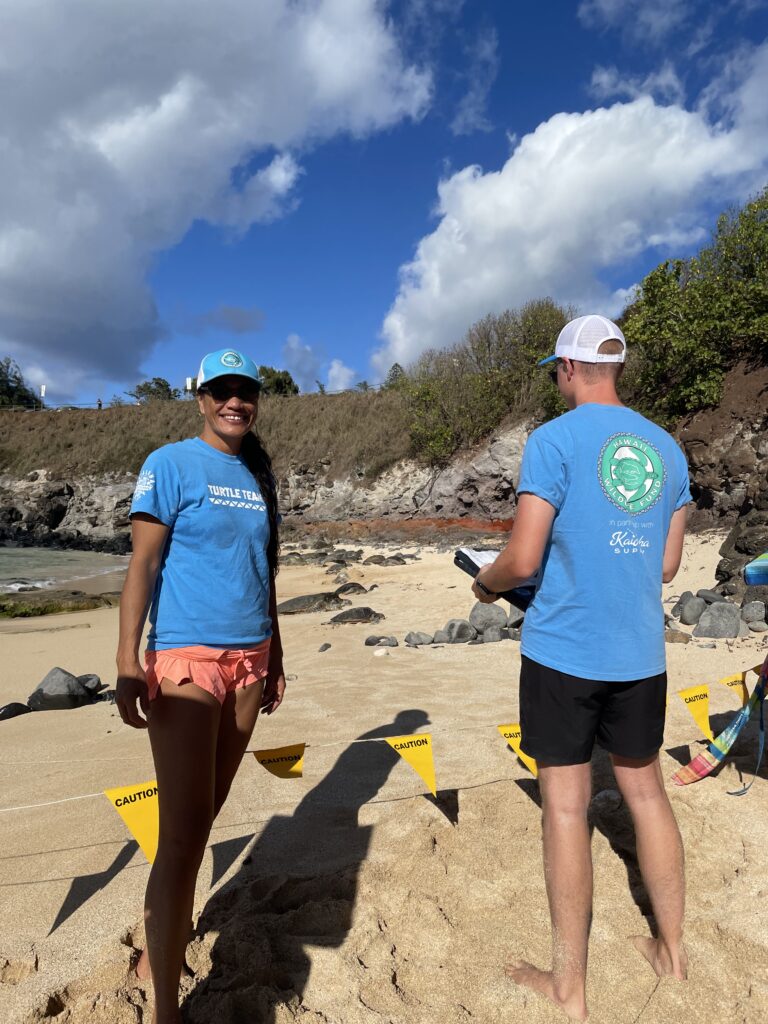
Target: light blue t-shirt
214 583
614 479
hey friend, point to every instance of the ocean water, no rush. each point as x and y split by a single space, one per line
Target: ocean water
46 567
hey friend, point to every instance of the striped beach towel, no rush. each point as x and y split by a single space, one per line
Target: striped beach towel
709 759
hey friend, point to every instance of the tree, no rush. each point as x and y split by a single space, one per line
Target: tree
14 390
158 389
320 387
363 385
277 382
395 377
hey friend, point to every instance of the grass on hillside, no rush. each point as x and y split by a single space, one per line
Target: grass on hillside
353 431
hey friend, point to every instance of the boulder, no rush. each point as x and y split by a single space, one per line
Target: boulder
685 596
441 637
720 620
676 636
492 635
13 710
363 614
373 641
58 691
753 611
418 639
459 631
515 615
692 610
388 641
710 596
761 626
483 616
325 602
92 683
515 634
743 628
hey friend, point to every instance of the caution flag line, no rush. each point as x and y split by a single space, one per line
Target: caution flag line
727 680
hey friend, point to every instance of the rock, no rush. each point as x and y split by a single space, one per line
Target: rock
324 602
492 635
341 578
760 626
323 648
459 631
670 623
350 588
388 641
676 636
393 560
476 642
484 616
685 596
374 560
49 602
710 596
753 611
373 641
743 628
59 691
710 647
441 637
13 710
515 634
363 614
515 616
692 610
293 558
418 639
92 683
720 620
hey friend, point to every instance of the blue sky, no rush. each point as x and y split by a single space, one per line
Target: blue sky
180 182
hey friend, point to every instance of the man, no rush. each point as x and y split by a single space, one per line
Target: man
601 511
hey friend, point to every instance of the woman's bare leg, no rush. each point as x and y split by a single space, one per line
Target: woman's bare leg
183 726
238 718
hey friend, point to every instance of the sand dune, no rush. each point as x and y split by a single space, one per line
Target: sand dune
348 895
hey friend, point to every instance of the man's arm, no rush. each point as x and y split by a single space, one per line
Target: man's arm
673 549
523 555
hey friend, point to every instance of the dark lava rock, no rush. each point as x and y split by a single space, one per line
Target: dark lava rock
720 620
47 602
692 610
13 711
710 596
325 602
492 635
685 596
350 588
441 637
515 615
418 639
373 641
59 691
388 641
91 682
357 615
753 611
323 648
459 631
484 616
760 626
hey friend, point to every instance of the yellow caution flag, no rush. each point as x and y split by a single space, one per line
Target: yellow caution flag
738 684
284 762
417 751
137 806
513 736
696 699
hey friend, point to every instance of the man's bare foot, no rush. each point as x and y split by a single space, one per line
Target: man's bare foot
144 974
543 982
661 960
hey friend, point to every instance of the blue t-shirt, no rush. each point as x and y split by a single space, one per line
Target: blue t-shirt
614 479
214 582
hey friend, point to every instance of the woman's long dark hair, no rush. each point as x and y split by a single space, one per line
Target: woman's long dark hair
259 463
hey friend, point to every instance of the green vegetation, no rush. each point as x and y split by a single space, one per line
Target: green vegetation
695 319
156 390
277 382
14 391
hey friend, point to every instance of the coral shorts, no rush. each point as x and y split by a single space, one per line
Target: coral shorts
217 671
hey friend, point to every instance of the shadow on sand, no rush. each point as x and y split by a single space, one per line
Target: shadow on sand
296 889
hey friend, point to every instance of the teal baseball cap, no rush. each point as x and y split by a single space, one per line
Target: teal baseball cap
224 363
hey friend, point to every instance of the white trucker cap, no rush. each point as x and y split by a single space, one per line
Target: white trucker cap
581 338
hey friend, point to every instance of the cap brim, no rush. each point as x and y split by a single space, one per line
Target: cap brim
549 359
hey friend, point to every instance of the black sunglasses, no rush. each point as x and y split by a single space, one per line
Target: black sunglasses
552 374
220 391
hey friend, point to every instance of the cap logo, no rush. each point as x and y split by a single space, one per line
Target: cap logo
232 360
631 473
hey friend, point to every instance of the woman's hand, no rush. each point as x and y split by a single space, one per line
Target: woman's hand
131 693
485 596
274 689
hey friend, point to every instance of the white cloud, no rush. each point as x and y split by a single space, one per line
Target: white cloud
646 20
584 193
483 67
340 377
129 122
664 84
302 362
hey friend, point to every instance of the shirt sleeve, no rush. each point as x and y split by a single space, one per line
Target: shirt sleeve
158 490
684 490
543 472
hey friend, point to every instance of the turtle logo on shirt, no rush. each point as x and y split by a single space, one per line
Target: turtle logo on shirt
232 359
631 473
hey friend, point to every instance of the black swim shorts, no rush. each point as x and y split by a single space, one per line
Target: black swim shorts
562 716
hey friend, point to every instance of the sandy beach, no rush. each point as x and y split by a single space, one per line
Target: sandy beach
348 895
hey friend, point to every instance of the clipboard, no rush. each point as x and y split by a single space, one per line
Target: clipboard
472 561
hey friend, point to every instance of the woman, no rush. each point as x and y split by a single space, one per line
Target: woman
205 553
